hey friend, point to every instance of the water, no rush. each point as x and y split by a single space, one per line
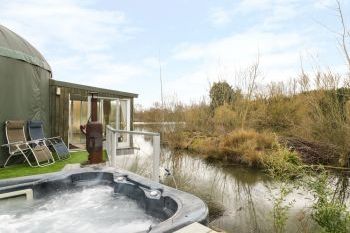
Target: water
87 209
242 197
245 195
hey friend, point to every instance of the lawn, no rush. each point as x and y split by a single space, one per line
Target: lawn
25 170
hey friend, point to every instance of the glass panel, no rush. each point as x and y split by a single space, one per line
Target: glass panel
109 113
75 121
123 116
78 111
113 114
83 119
106 108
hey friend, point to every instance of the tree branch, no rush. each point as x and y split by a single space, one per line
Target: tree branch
344 34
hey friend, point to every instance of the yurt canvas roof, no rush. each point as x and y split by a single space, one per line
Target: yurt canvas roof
15 47
24 83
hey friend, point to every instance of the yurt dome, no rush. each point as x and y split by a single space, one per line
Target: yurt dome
24 83
15 47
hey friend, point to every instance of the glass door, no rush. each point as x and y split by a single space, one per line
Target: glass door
108 113
77 116
116 113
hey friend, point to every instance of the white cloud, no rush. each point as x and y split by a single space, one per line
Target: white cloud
279 48
238 47
249 5
279 54
98 69
324 3
69 24
281 13
275 11
219 16
76 38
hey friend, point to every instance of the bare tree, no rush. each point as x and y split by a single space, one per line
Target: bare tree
344 35
249 85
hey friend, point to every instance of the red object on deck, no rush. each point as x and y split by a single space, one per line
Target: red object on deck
94 143
94 135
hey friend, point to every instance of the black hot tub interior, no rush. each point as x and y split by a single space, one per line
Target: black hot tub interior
174 208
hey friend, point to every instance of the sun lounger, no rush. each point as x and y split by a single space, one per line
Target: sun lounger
19 146
36 132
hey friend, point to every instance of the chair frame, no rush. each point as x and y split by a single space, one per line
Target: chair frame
49 142
19 151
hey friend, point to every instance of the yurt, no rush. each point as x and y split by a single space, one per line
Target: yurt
24 83
28 92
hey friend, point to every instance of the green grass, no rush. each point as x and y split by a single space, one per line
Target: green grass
25 170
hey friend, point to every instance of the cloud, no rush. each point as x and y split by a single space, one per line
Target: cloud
76 38
69 24
324 3
219 16
279 50
238 48
267 34
250 5
274 12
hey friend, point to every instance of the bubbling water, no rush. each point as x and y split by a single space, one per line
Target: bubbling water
88 209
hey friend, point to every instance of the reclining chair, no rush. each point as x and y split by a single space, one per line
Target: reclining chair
36 132
18 145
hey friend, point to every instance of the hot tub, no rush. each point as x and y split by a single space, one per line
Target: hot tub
95 200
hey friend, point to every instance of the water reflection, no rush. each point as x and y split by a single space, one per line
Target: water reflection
239 199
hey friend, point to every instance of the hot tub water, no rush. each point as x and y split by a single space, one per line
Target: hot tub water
87 209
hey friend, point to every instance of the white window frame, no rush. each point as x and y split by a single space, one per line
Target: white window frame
125 144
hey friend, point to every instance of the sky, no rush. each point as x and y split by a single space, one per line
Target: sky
121 45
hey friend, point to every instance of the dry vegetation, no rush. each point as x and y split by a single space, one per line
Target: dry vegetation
247 122
309 117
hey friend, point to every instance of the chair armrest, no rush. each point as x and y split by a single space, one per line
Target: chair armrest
14 143
57 137
37 141
54 140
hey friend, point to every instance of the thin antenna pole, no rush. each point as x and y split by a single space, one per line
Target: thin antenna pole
161 85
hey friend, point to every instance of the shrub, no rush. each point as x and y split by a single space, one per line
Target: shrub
282 164
207 146
247 146
222 93
198 118
328 211
280 209
224 119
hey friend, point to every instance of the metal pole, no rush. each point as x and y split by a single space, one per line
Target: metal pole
156 157
114 148
69 120
117 125
108 145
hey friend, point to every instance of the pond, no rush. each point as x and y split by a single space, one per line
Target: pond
240 199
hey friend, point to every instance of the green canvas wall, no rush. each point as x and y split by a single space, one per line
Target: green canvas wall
24 94
24 84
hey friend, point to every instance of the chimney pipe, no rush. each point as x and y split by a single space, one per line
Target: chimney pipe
93 106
